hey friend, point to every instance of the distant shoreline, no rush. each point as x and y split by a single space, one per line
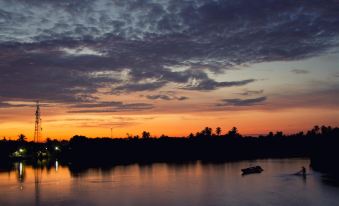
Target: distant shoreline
319 144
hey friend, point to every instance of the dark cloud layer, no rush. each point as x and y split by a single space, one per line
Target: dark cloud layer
102 107
242 102
251 92
212 85
64 51
166 97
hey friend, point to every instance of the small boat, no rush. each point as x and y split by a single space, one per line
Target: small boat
252 170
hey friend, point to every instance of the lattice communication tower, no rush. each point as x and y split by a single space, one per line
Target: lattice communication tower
38 128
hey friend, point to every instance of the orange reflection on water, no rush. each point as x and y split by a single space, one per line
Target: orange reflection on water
30 183
166 184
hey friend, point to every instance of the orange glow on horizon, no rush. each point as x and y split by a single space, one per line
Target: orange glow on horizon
175 125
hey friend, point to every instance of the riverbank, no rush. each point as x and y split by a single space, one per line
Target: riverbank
318 144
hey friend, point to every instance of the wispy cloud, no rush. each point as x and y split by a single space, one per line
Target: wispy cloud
107 107
299 71
167 96
11 104
242 102
205 85
251 92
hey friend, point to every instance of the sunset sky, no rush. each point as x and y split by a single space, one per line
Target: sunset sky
167 66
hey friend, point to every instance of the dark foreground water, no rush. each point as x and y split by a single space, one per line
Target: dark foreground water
168 184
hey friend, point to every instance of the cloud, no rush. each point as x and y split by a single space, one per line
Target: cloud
137 87
251 92
182 98
8 105
11 104
107 107
242 102
209 84
81 51
49 49
169 96
299 71
319 99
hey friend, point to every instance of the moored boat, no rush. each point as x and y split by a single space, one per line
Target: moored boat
252 170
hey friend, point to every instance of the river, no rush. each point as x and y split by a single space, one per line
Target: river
186 184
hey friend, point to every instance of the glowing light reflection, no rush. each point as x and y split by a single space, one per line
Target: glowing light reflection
56 166
20 169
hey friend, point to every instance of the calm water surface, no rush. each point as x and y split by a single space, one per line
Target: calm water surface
168 184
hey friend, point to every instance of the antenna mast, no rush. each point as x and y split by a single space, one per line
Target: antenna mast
38 129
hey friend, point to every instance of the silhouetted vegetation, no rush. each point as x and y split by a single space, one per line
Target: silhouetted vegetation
22 138
320 144
325 153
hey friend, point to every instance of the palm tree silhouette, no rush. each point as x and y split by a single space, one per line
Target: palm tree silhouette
218 131
22 138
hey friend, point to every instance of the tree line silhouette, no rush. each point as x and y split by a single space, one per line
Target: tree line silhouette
319 143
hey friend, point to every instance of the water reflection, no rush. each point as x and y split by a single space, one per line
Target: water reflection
21 175
56 165
37 180
37 171
195 183
21 172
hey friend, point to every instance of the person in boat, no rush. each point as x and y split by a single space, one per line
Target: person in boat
303 170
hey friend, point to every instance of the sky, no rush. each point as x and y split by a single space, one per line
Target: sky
167 66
